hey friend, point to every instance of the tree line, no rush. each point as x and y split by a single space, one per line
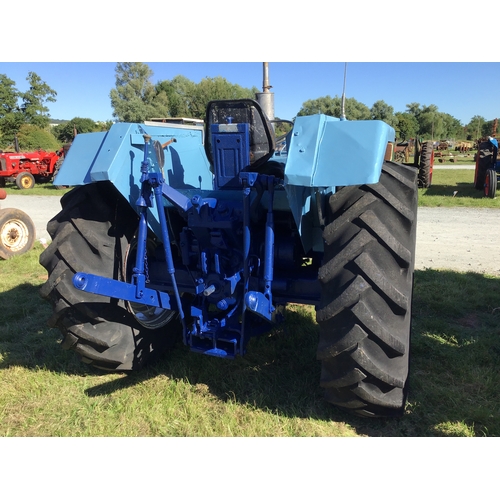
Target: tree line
419 120
25 115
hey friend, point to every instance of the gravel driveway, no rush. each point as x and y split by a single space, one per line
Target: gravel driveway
462 239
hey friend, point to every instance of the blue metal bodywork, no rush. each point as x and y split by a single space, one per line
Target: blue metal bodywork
245 241
324 153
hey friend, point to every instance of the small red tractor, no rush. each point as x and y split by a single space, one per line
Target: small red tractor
27 168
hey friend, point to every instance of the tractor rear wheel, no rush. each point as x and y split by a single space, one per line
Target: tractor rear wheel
367 282
57 167
25 181
426 165
17 233
490 183
92 234
484 161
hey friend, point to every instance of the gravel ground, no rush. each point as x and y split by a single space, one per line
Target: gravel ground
461 239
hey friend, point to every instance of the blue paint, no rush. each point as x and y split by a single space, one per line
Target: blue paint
235 234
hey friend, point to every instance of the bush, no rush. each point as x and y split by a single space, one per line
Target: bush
32 138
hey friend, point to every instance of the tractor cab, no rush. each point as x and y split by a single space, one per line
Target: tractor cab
239 137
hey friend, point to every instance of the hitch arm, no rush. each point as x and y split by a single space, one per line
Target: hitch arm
108 287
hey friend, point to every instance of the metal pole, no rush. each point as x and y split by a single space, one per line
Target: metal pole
266 97
342 104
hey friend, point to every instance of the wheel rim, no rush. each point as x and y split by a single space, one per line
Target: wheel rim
487 186
14 235
148 316
26 182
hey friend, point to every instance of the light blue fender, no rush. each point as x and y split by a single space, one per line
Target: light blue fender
325 153
116 156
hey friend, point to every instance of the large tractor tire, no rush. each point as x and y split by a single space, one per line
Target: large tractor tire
17 233
92 234
426 165
57 167
367 283
485 157
490 183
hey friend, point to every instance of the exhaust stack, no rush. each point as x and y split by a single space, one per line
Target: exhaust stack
266 97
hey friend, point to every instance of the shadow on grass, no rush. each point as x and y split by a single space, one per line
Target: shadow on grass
463 189
454 376
25 338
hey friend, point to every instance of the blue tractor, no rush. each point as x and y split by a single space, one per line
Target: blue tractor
206 233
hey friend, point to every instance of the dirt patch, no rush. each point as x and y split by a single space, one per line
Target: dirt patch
461 239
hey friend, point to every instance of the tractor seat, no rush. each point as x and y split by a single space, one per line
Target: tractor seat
239 136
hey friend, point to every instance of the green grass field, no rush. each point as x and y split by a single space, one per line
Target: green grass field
45 189
455 188
272 391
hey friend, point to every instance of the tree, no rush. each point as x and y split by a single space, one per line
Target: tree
31 138
407 126
33 101
8 96
210 89
475 127
189 99
103 126
431 123
488 128
413 109
331 106
10 115
65 132
453 127
135 98
180 92
382 111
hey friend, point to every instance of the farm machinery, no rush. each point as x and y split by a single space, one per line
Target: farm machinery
423 159
25 169
174 232
487 167
17 231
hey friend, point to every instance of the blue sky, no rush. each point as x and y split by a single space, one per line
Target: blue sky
460 89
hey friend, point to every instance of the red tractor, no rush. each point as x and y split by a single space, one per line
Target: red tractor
27 168
487 167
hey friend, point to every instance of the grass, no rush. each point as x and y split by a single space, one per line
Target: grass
272 391
455 188
44 189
